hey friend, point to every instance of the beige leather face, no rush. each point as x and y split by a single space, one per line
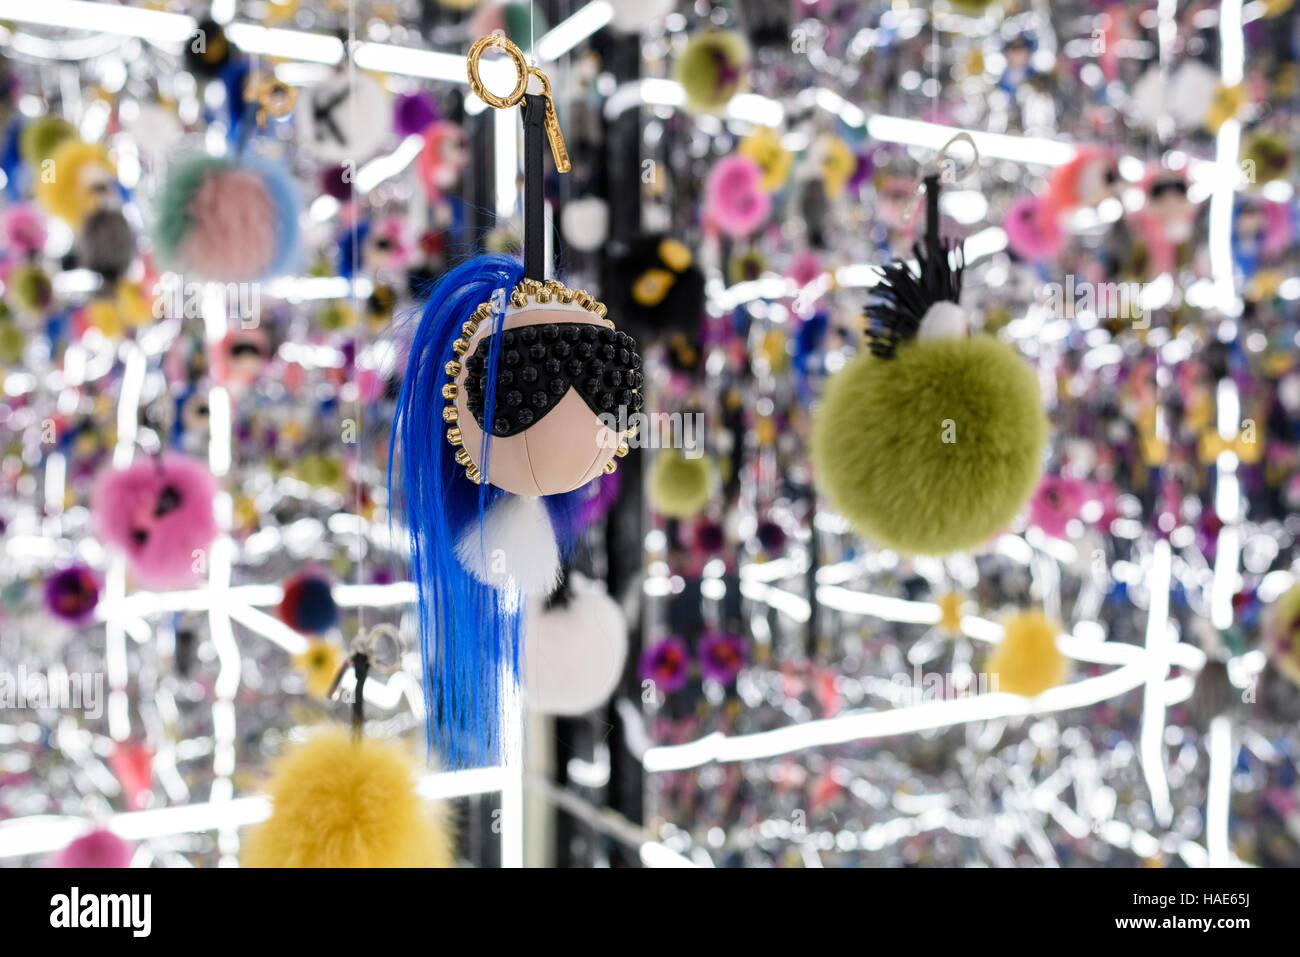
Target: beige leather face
563 451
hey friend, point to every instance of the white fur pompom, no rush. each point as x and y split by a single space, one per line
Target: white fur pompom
943 320
515 548
574 653
585 223
1185 95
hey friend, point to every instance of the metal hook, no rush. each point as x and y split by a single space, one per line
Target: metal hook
931 167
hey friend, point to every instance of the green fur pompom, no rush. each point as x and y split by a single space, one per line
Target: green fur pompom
680 486
41 137
934 450
972 8
712 69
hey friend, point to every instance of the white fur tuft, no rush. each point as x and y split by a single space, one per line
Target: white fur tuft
517 547
574 655
943 320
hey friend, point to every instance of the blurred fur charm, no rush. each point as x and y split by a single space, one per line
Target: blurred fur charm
106 244
680 486
23 228
308 604
1033 231
737 202
655 288
336 802
96 849
158 512
319 664
72 593
1282 627
712 69
86 181
1026 661
227 221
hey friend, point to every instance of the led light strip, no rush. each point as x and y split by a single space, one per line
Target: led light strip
722 748
156 26
173 29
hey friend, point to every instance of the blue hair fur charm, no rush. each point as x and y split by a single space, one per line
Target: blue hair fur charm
536 390
518 392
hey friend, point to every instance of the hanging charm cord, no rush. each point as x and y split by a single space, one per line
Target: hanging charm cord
365 658
360 665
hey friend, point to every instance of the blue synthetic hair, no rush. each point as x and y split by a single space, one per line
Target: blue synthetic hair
469 633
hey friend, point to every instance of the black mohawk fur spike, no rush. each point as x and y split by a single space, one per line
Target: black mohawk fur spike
903 295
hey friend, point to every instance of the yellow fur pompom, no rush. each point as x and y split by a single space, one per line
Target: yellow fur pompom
319 664
70 188
1027 661
336 802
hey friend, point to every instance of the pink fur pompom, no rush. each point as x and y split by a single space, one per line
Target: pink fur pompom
1033 229
1058 501
159 513
806 267
99 848
24 229
234 223
736 201
1277 227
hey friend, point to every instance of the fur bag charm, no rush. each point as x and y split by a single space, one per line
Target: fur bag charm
341 799
516 395
931 441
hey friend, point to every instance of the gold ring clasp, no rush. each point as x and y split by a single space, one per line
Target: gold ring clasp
516 55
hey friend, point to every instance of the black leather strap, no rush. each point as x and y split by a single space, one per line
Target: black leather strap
534 200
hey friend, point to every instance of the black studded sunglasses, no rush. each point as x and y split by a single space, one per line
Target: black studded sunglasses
538 364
